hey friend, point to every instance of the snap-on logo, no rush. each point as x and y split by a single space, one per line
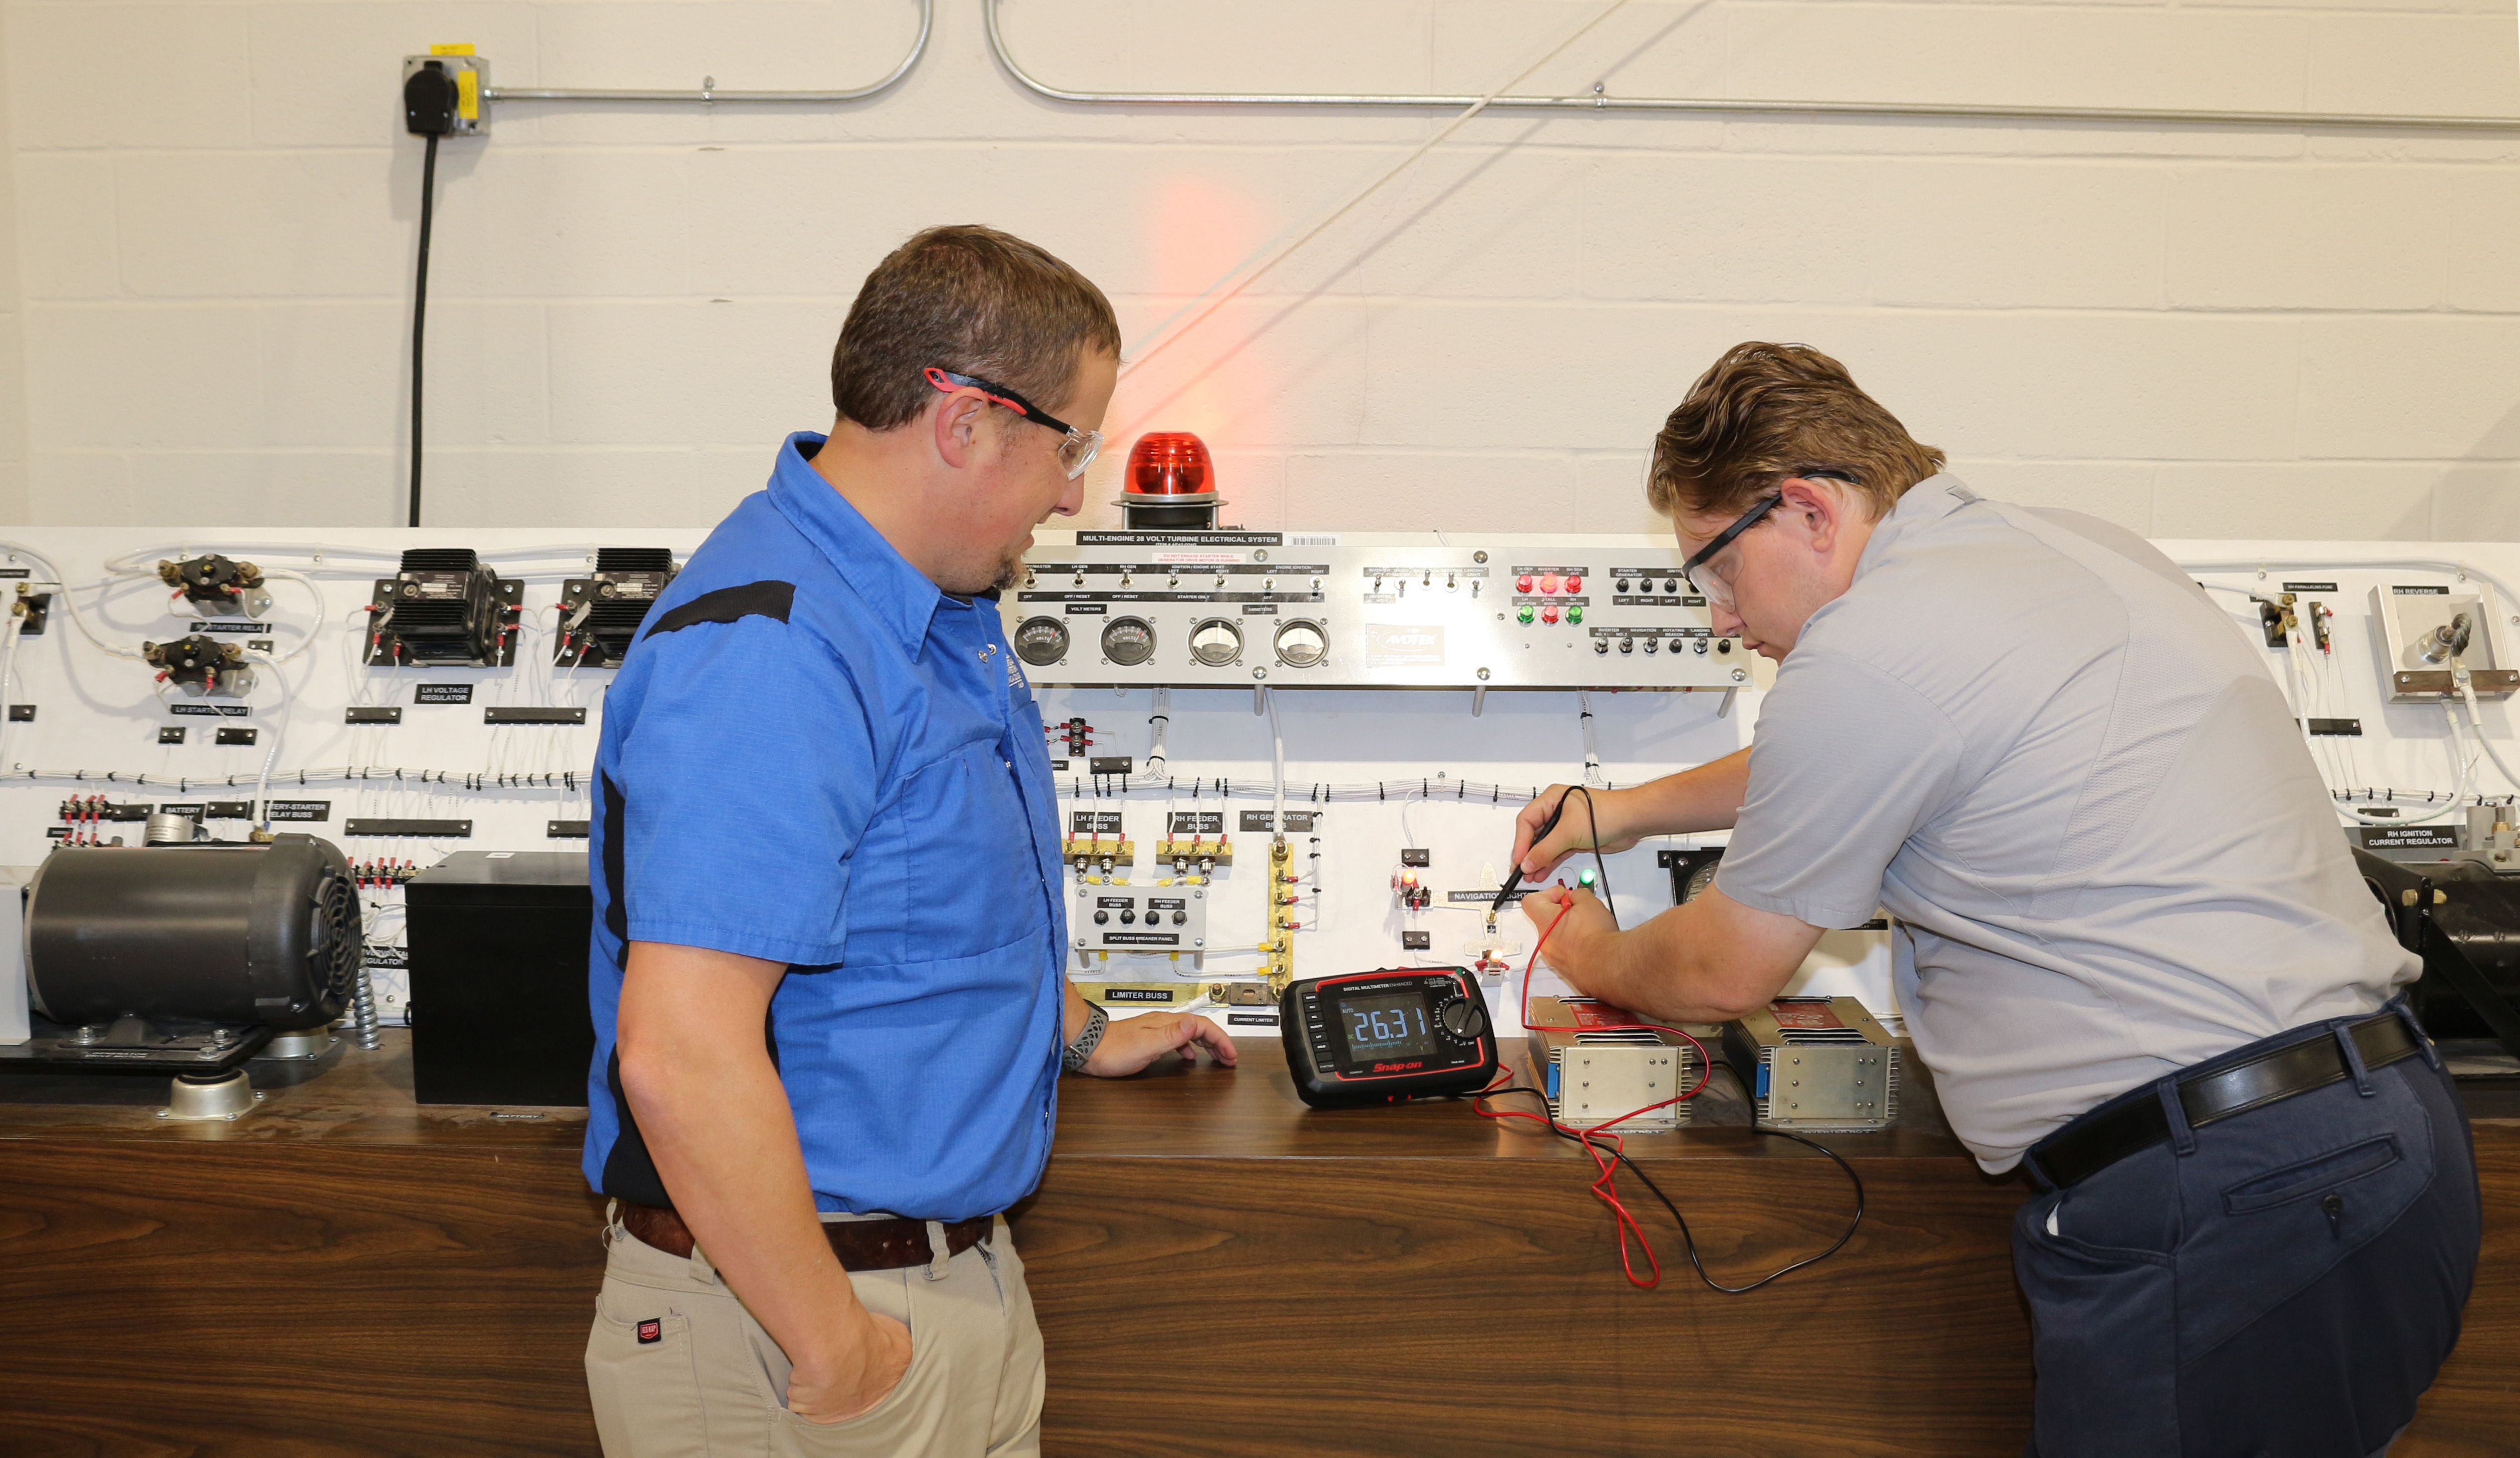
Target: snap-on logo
1398 1067
651 1331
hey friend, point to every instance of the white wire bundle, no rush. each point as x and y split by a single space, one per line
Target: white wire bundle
2305 695
1437 788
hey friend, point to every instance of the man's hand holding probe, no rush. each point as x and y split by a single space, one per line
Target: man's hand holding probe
1711 959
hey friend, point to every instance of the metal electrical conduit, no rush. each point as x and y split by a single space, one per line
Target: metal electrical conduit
709 92
1599 101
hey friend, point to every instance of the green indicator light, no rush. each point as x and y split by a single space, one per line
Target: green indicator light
1523 612
1574 612
1584 880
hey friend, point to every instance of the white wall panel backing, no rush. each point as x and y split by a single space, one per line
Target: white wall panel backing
2199 331
1384 771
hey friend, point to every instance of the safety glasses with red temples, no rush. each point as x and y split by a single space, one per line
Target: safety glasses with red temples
1076 448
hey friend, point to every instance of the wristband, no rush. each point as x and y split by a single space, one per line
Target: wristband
1095 1020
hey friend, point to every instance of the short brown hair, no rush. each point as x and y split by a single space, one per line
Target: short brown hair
1765 413
976 301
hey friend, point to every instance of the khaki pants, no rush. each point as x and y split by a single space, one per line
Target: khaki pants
676 1366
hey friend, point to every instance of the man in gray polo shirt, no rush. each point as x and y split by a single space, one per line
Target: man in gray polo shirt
2133 945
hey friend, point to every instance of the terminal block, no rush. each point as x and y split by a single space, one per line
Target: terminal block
600 614
217 587
1071 739
1098 853
1282 925
377 875
445 606
201 667
1195 853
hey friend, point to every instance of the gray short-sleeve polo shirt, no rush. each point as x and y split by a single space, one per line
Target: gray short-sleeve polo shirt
2040 747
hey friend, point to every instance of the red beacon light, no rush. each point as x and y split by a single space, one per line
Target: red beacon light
1169 484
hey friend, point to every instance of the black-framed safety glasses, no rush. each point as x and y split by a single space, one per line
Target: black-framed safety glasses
1717 588
1076 448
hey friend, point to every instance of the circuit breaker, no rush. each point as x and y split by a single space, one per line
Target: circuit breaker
1111 918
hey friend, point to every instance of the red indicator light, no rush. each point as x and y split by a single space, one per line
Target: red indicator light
1169 463
1574 584
1522 583
1549 613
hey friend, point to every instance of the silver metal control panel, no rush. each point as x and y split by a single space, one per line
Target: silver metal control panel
1371 609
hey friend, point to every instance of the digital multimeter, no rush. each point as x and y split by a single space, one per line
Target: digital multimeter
1378 1037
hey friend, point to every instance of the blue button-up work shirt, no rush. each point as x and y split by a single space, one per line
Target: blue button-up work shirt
815 757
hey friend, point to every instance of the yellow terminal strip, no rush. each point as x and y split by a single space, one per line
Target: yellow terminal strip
1219 850
1081 852
1281 945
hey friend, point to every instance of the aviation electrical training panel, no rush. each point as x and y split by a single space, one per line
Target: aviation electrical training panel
1363 610
403 740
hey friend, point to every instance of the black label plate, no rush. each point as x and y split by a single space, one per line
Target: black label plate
433 829
2408 836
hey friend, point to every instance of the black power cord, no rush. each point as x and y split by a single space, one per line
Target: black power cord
420 312
1688 1238
429 102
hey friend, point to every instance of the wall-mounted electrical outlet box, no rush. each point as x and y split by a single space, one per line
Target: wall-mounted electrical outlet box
471 104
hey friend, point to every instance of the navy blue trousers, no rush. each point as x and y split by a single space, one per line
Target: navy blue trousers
2281 1283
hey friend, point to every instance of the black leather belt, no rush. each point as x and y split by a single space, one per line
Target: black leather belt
2091 1144
861 1245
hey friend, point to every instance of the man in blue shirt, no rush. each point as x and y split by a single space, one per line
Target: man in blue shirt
826 972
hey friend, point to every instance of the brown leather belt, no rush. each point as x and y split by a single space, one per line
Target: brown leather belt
861 1245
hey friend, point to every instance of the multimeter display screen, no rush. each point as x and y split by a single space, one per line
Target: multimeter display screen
1388 1026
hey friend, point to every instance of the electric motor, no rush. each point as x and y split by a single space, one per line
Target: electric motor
237 934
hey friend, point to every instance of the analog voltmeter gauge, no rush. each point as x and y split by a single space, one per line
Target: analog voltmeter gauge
1041 641
1302 644
1128 641
1216 642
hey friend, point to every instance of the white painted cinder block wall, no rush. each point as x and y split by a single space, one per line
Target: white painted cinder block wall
2199 332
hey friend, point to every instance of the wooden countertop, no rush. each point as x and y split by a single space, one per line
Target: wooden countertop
1175 1110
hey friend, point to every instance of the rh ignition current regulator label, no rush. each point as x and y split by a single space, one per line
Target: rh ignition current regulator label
1387 647
2403 837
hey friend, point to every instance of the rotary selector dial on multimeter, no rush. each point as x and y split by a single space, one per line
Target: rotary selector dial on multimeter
1379 1037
